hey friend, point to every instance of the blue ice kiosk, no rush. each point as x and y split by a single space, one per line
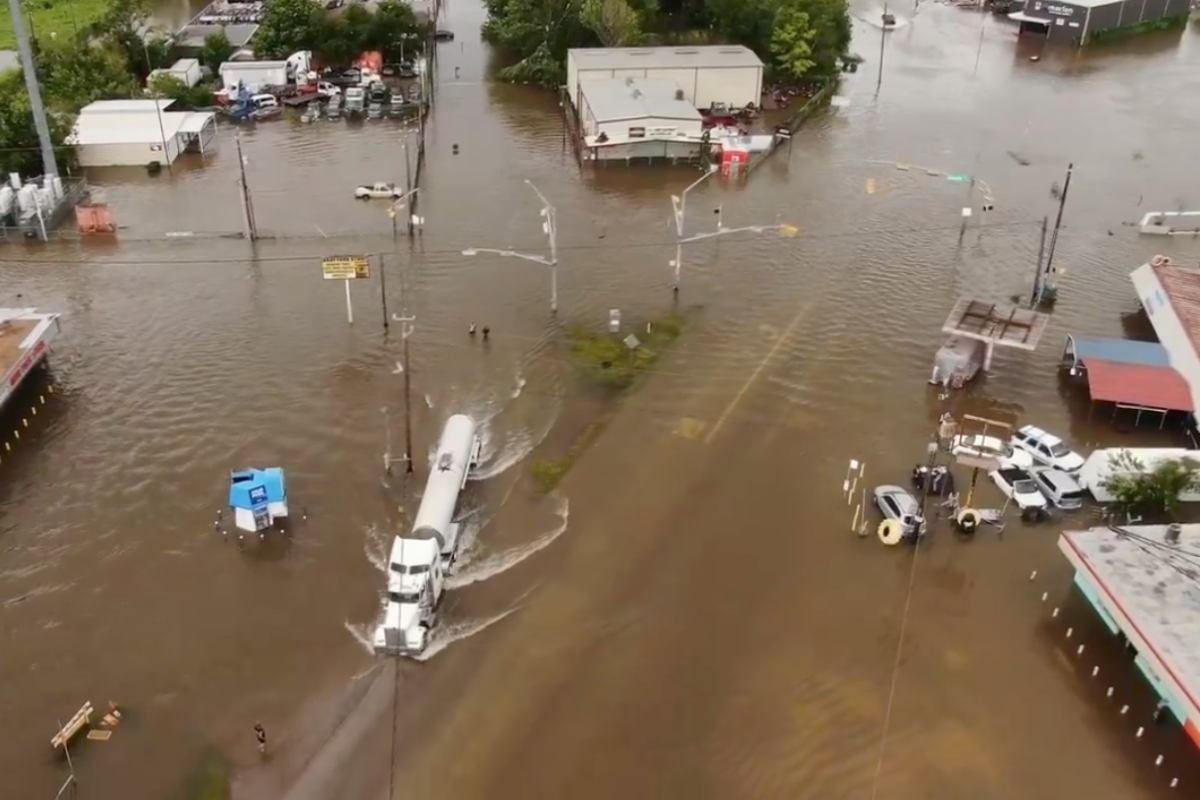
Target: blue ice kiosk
257 498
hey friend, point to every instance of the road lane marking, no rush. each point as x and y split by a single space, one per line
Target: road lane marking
757 371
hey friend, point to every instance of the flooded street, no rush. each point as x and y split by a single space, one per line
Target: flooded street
689 615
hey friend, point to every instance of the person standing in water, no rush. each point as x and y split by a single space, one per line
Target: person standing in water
261 735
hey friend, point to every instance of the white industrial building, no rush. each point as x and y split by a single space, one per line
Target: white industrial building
118 133
643 118
718 74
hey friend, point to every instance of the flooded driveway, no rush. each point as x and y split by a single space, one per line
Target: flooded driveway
691 615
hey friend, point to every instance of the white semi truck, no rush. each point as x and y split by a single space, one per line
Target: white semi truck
421 561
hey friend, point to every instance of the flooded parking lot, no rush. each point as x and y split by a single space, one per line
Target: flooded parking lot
690 615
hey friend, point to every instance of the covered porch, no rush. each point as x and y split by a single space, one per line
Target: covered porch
1133 376
197 133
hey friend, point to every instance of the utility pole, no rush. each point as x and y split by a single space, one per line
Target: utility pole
406 329
1036 298
247 206
383 288
1062 203
882 44
29 70
408 187
162 133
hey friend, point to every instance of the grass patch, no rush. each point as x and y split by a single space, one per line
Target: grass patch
209 781
62 17
548 472
604 359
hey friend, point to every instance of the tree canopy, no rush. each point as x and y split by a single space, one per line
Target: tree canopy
798 40
1154 492
289 26
106 59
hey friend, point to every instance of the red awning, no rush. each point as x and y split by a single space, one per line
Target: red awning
1138 385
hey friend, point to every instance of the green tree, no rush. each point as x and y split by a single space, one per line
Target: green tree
615 22
74 76
18 138
343 38
217 50
792 44
289 26
186 97
394 31
1152 492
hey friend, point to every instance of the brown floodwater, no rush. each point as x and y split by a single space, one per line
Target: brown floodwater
689 615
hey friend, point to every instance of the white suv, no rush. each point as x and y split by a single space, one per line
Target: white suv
980 446
1048 449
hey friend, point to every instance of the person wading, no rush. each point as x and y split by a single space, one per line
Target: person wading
261 735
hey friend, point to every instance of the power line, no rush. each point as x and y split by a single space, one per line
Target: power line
175 241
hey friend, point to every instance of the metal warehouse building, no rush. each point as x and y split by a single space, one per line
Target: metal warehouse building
1078 22
117 133
729 74
638 118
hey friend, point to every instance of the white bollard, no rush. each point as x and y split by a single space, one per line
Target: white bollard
1174 782
1033 575
1055 614
1110 690
1079 652
1139 733
1095 671
1158 761
1044 596
1069 632
1124 709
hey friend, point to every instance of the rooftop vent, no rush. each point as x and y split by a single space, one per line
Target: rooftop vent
687 52
636 94
445 461
629 81
735 52
679 94
1173 532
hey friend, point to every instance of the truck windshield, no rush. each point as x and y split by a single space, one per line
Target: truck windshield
410 569
1024 487
1059 450
404 597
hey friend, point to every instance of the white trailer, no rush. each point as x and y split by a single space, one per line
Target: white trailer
421 561
1102 465
253 74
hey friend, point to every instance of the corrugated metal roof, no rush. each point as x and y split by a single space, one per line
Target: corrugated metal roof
126 128
1182 285
1138 385
1120 351
635 98
126 106
722 55
195 122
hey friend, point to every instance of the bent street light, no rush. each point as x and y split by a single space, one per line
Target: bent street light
550 228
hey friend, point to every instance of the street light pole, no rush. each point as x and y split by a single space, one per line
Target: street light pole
679 206
550 228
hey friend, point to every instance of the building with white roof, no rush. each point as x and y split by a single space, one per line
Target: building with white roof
630 118
113 133
718 74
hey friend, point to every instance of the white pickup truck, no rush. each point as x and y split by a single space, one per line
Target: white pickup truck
1019 486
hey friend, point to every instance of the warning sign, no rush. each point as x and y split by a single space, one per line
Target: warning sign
345 268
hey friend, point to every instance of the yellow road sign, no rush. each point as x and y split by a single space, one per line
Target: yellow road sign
345 268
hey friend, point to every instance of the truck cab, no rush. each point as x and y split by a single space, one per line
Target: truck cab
355 98
416 582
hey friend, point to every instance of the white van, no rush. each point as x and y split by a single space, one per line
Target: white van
1060 488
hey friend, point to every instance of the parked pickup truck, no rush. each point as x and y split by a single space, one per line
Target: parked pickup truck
1019 486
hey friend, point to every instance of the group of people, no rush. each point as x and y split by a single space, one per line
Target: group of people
486 331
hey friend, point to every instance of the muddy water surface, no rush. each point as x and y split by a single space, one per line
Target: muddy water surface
700 623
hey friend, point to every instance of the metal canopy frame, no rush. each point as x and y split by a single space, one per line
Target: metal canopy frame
996 323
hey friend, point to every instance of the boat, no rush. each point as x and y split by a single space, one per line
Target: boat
420 562
957 361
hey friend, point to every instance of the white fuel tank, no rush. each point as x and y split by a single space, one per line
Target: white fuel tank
456 450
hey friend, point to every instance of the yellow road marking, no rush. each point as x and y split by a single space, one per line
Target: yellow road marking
757 371
870 186
688 427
